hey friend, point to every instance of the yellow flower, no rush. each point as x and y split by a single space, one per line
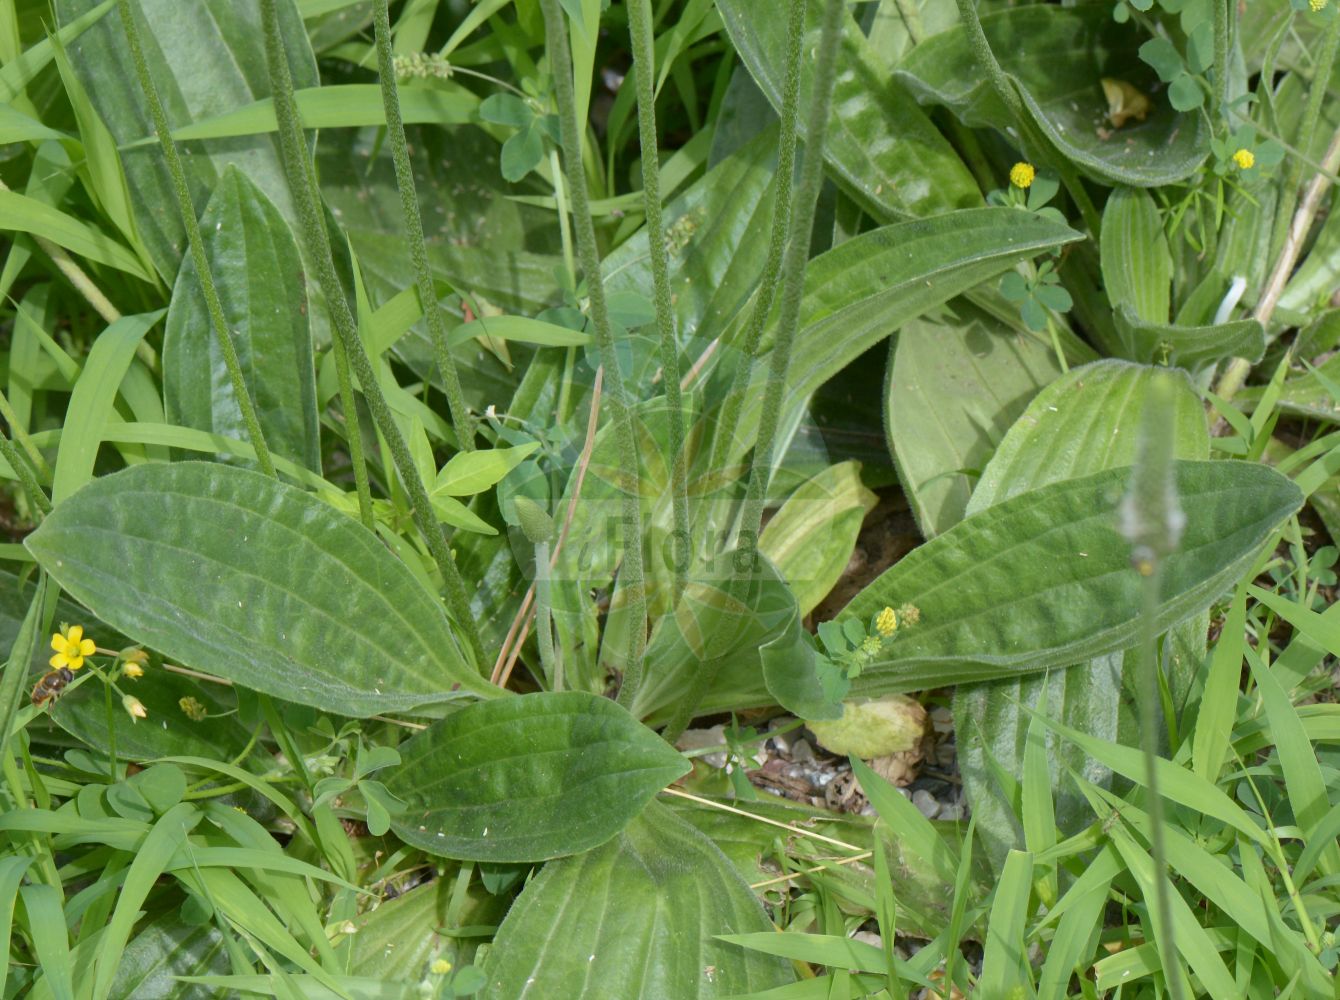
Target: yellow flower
1245 159
440 967
71 647
192 709
133 670
135 707
887 622
1022 174
871 645
1317 5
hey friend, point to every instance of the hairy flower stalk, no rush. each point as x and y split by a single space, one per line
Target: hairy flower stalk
793 270
644 62
409 203
792 281
632 575
1152 520
302 183
781 219
187 210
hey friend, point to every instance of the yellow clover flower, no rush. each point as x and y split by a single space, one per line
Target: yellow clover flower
71 647
1022 174
1245 159
1317 5
440 967
887 622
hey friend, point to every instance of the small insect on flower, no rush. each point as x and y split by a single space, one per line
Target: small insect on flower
71 647
1245 159
1022 174
50 685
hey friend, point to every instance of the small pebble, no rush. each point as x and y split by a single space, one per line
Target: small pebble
925 801
951 812
868 937
942 719
802 752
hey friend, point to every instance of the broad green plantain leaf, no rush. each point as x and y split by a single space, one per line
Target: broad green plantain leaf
245 577
637 917
163 950
1083 423
716 240
955 385
749 843
1044 580
866 288
480 240
1319 274
528 778
206 59
259 275
811 538
1086 421
744 624
168 731
880 145
1189 347
900 25
400 938
1137 264
1058 58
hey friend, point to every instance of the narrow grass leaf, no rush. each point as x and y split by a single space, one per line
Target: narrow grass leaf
90 408
915 831
160 844
22 214
1303 778
1193 943
1175 783
1077 931
817 949
12 870
1322 838
1004 958
103 164
1198 867
349 105
1219 700
1322 629
51 943
17 73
